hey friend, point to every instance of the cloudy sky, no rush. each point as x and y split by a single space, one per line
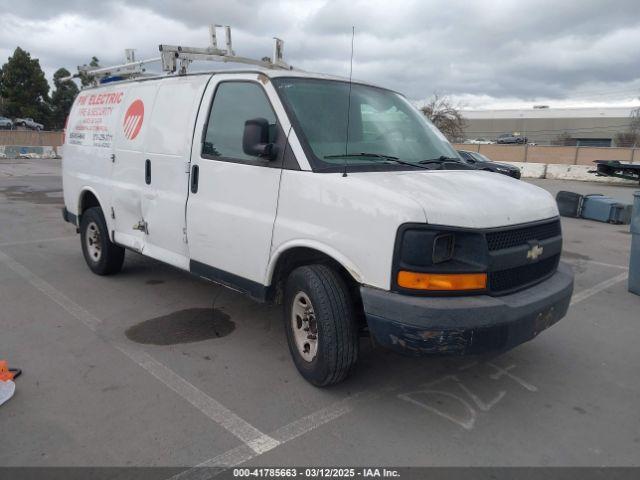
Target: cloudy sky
485 54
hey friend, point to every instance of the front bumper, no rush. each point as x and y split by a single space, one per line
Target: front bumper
466 325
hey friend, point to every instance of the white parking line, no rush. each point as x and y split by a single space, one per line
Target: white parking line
589 292
593 262
602 264
253 438
241 454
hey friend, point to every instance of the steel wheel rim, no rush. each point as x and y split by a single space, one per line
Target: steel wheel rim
92 240
304 327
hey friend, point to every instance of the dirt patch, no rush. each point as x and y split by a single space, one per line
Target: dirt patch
31 195
184 326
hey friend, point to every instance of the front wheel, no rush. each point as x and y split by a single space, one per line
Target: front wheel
320 323
102 256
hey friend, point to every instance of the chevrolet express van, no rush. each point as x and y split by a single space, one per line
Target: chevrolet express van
337 199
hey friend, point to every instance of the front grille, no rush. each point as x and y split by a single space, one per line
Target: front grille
513 278
520 236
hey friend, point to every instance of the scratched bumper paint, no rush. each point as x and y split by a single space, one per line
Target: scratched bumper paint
466 325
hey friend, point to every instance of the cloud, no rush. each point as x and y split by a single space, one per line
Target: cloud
484 53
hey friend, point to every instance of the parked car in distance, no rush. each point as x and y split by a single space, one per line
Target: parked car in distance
480 141
28 123
511 138
6 123
479 161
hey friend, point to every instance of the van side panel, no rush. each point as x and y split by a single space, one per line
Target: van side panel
86 155
128 168
168 149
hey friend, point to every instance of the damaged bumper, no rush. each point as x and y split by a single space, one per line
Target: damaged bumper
466 325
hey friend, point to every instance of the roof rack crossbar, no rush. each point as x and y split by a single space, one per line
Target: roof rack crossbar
177 58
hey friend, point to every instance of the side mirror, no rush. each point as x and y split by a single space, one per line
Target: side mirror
255 139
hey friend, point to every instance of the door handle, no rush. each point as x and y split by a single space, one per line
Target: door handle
195 173
147 171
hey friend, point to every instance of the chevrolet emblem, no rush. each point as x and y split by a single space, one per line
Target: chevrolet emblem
534 252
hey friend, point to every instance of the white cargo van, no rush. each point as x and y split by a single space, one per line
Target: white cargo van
338 200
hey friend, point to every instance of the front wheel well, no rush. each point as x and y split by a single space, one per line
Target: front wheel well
299 256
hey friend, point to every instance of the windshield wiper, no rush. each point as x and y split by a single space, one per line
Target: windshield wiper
441 159
390 158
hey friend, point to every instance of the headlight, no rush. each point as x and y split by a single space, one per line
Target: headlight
439 259
443 245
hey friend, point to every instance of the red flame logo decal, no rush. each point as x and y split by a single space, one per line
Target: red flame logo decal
133 119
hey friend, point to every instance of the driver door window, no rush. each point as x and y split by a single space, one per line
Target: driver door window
234 103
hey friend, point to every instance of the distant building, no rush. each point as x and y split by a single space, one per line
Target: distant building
543 125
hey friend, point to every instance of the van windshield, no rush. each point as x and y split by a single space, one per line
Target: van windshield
382 125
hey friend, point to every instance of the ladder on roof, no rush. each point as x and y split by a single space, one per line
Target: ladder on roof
177 58
130 69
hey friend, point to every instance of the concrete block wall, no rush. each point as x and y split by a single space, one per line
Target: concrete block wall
552 154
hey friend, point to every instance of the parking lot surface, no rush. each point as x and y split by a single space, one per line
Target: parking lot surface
154 367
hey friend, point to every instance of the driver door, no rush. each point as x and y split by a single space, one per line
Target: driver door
233 196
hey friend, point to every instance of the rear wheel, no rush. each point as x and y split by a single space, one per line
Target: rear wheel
102 256
320 323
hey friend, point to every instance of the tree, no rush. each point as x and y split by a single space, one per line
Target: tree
446 116
86 80
24 88
62 98
630 138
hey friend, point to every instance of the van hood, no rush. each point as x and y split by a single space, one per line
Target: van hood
467 198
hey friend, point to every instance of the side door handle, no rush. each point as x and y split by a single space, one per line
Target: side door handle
147 171
195 173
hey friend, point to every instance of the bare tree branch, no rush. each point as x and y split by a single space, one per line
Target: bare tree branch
630 138
446 116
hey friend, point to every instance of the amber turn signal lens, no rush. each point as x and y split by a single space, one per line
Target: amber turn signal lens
442 281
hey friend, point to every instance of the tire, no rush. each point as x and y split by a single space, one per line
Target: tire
102 256
332 315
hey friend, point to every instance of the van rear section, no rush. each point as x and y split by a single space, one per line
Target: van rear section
242 178
128 151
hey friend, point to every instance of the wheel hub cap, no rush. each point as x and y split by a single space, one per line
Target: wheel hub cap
304 326
94 247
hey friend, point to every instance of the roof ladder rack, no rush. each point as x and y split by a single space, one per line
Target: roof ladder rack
131 68
176 58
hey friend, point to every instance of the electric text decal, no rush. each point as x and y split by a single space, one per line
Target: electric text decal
133 119
94 119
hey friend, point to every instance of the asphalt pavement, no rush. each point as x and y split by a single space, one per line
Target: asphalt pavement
154 367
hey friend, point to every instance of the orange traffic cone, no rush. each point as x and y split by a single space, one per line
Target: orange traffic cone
5 373
7 387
